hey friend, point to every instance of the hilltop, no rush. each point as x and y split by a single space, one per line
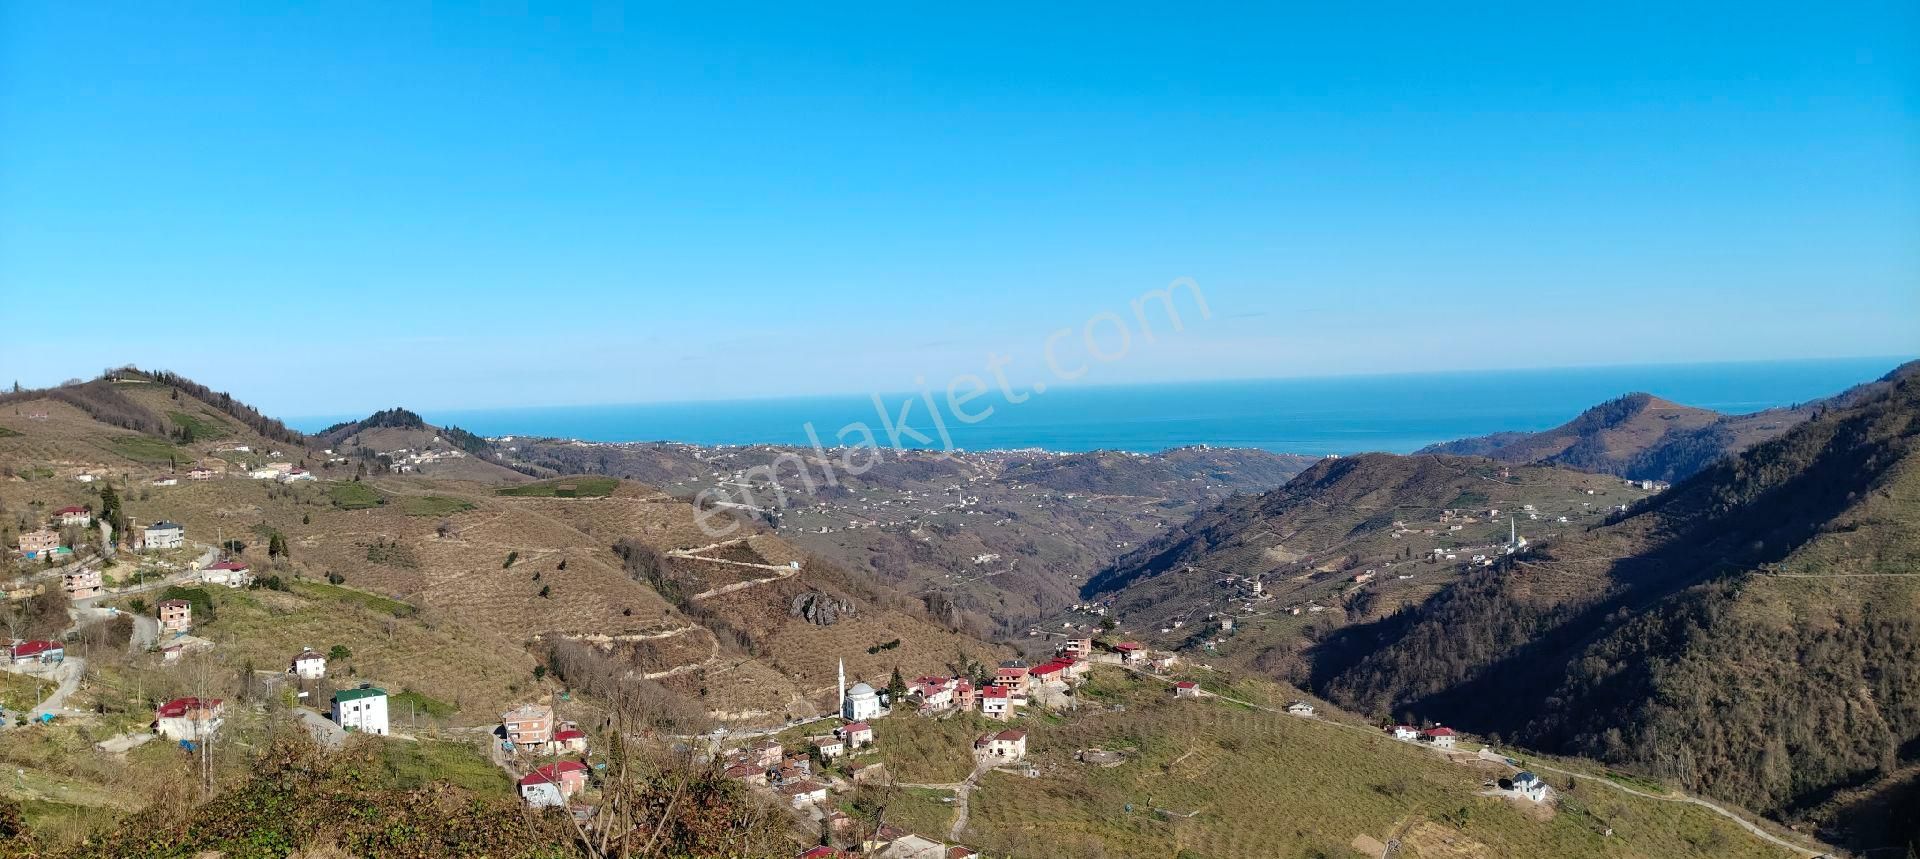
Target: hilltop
398 440
1644 437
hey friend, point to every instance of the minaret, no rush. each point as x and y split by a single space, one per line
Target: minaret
840 704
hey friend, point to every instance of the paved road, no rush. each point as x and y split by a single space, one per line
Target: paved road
323 729
67 674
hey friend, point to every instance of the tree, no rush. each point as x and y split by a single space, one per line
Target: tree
339 652
276 545
546 591
896 688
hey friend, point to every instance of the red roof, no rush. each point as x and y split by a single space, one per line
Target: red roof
65 510
994 692
230 566
565 734
1440 732
35 648
856 727
822 852
1127 646
1054 667
552 773
1186 684
1011 735
178 707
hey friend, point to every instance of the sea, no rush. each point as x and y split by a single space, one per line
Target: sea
1395 413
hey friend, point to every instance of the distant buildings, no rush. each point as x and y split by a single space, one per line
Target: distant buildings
81 584
189 718
162 535
363 709
551 785
529 727
176 616
308 665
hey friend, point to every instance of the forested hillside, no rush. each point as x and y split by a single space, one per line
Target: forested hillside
1753 633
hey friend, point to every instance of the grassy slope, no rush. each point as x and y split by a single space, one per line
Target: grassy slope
1264 785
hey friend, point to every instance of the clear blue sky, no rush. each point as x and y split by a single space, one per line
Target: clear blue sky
347 206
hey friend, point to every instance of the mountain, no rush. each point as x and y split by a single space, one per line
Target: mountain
989 539
1753 633
1644 437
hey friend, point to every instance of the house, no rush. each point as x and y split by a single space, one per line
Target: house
857 734
912 846
1008 745
959 852
81 584
363 709
529 727
934 697
37 651
1078 648
1056 671
1300 708
1441 736
1012 676
1404 732
551 785
830 747
766 755
296 474
1163 663
162 535
200 474
1186 689
308 665
176 616
166 480
804 792
748 773
964 695
571 740
233 574
189 718
996 703
74 516
1530 786
1130 651
34 544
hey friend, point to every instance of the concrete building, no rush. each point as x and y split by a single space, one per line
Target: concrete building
309 665
176 616
529 727
162 535
363 709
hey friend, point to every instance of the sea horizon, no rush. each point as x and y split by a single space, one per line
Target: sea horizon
1386 412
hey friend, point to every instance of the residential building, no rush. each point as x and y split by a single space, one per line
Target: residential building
551 785
1007 746
233 574
74 516
200 474
81 584
1053 671
162 535
1078 648
189 718
1300 708
996 703
868 773
1012 676
176 616
363 709
1163 663
1440 736
570 739
529 727
308 665
37 651
1130 651
1186 689
1530 786
166 480
766 755
857 734
830 747
804 792
33 544
1404 732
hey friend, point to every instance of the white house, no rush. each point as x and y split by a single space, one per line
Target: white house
1300 708
830 747
189 718
1008 745
1441 737
996 703
1405 732
1530 786
363 709
163 535
309 665
166 480
805 792
74 516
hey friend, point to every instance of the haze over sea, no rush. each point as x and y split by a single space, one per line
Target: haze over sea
1349 414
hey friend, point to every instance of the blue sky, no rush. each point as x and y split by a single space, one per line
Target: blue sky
339 207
